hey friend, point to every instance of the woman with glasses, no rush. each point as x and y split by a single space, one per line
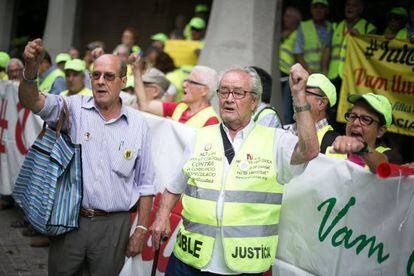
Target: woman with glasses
367 122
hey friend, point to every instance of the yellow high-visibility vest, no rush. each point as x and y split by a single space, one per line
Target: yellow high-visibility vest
312 46
47 83
338 45
198 120
286 58
251 208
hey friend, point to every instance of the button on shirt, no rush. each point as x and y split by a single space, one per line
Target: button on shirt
284 144
116 163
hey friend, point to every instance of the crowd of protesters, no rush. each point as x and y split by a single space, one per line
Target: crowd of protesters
151 82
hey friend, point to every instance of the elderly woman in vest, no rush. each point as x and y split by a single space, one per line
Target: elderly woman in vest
367 122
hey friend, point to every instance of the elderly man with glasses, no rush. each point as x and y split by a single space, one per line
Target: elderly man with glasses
231 182
194 109
321 95
367 122
117 170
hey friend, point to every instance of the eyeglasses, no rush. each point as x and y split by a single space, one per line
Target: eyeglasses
314 94
108 76
363 119
238 94
194 82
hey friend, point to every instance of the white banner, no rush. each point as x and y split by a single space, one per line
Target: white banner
339 219
18 129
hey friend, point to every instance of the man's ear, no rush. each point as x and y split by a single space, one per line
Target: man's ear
123 82
381 131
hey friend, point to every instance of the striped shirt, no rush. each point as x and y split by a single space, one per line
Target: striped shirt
116 160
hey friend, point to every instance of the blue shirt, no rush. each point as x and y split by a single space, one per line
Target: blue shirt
116 158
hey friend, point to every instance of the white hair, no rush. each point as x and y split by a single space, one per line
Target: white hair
255 82
18 61
208 76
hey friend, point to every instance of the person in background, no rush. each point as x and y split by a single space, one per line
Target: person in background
200 11
265 114
75 79
158 40
4 59
61 60
321 95
291 19
367 122
128 39
179 24
407 32
352 24
397 18
195 108
312 47
73 52
51 78
14 69
197 28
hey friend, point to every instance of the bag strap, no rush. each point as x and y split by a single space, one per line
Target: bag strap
328 140
64 115
228 148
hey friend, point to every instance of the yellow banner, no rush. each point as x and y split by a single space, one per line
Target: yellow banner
183 52
385 67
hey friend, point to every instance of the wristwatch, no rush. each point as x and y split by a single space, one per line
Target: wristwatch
300 108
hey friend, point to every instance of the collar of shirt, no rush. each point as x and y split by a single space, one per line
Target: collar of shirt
240 136
89 103
293 128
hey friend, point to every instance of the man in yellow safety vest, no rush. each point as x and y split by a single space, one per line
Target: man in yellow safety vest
230 182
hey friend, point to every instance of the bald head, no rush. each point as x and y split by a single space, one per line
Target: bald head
114 62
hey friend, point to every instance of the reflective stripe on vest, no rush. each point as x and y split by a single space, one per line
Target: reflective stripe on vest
312 47
198 120
286 58
85 92
47 83
251 208
338 45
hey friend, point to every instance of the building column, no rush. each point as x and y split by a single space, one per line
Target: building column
243 33
60 26
6 20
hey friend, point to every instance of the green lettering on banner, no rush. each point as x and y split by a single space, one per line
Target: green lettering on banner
343 235
410 265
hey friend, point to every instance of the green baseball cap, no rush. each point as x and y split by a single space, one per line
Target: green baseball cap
130 82
399 11
198 23
201 8
4 59
160 36
62 57
75 65
325 85
323 2
378 102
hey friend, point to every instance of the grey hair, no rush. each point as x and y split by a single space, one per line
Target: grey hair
123 68
208 77
255 82
18 61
